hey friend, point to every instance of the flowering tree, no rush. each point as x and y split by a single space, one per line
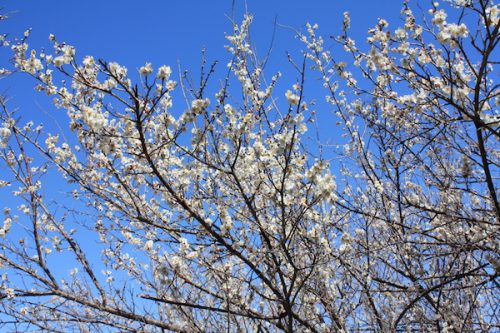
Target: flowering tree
221 219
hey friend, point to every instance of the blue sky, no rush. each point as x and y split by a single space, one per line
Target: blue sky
132 32
169 32
174 33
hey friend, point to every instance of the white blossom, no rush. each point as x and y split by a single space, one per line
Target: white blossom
164 72
146 69
292 98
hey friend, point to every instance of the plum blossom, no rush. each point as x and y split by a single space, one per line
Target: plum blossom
439 18
199 105
148 245
346 22
4 136
492 15
228 215
164 72
293 99
451 32
94 118
146 69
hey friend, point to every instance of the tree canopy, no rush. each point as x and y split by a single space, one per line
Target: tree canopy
231 214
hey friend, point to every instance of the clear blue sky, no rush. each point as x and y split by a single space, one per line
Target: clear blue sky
161 31
132 32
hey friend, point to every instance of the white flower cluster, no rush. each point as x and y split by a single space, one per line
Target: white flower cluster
117 70
164 72
94 117
439 17
220 197
448 32
146 69
199 105
32 64
346 22
293 99
451 32
4 136
7 223
492 15
66 58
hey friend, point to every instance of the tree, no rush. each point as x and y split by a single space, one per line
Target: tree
224 218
